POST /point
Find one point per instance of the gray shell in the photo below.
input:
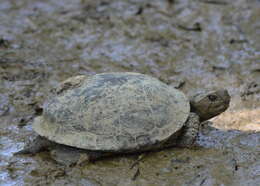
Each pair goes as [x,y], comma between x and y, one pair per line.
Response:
[113,112]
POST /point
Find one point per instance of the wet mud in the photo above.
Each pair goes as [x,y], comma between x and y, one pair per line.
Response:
[191,45]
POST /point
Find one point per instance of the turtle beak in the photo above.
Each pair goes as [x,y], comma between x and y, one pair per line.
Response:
[223,93]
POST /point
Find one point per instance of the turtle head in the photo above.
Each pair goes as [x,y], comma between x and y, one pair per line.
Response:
[210,104]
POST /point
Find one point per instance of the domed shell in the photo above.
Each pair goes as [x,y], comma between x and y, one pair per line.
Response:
[113,112]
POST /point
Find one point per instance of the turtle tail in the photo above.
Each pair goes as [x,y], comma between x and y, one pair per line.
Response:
[38,144]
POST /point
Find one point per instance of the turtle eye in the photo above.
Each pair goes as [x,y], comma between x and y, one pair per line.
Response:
[212,97]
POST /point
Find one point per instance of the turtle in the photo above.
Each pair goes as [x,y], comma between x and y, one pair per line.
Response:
[122,113]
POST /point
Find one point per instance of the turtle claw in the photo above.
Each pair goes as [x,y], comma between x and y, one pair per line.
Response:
[83,159]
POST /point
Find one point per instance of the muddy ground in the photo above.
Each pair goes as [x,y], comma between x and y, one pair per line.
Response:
[191,45]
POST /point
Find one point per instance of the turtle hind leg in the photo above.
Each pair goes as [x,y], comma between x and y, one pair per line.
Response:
[92,156]
[38,144]
[70,156]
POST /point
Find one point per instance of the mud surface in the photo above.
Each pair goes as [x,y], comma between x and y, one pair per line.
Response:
[191,45]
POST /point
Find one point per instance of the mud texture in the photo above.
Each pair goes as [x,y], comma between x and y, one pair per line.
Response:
[191,45]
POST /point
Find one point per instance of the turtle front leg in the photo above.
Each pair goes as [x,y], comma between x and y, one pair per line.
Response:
[190,131]
[38,144]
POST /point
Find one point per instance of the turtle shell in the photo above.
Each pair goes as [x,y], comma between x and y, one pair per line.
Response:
[113,112]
